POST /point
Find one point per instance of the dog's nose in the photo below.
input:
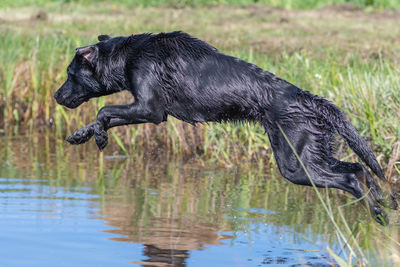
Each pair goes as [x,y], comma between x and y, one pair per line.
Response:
[58,97]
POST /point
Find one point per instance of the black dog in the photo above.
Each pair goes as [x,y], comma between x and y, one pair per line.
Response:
[178,75]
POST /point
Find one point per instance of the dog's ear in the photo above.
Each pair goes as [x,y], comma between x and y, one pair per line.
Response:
[88,52]
[103,37]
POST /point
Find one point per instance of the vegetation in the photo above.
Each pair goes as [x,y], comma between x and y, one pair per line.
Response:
[351,61]
[346,54]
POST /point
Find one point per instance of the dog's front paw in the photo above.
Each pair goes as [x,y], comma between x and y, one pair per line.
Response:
[82,135]
[101,137]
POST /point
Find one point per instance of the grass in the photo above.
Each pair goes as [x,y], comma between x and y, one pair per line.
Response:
[351,61]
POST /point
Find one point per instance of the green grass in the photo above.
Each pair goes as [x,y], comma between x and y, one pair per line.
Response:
[352,61]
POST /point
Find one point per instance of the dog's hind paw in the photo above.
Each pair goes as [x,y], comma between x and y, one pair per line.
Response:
[82,135]
[380,216]
[101,138]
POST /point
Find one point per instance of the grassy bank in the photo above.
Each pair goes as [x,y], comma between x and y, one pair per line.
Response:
[345,55]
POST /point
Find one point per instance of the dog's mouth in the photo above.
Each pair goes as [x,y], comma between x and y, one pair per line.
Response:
[74,103]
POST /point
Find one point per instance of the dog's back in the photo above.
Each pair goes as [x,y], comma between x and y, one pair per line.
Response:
[201,84]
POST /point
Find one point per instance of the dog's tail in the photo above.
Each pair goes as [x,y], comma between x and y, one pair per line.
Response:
[332,114]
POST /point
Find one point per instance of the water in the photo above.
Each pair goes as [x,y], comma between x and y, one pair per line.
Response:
[64,205]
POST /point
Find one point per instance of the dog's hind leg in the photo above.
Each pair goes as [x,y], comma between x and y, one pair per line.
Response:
[365,177]
[322,168]
[357,180]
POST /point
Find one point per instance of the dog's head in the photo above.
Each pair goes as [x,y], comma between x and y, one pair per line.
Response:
[84,81]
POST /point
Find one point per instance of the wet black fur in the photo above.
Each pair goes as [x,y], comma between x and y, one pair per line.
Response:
[178,75]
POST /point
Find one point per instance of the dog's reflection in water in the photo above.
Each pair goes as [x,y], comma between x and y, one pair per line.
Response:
[167,257]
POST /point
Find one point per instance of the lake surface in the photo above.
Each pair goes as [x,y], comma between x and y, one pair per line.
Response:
[63,205]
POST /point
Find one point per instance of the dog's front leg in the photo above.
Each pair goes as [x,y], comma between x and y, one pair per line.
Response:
[85,133]
[112,116]
[105,119]
[117,115]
